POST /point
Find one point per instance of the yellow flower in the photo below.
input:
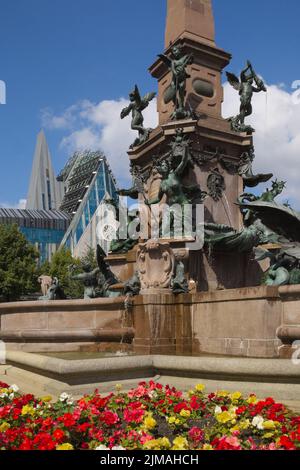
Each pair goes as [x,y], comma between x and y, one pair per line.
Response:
[241,426]
[180,443]
[149,422]
[65,446]
[185,413]
[46,398]
[164,443]
[268,435]
[269,425]
[118,387]
[200,387]
[173,420]
[224,417]
[28,410]
[252,400]
[151,445]
[158,444]
[208,447]
[235,396]
[4,426]
[223,393]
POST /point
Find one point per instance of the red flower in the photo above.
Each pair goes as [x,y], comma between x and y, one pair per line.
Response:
[27,444]
[47,424]
[241,410]
[196,435]
[180,407]
[286,443]
[67,420]
[58,435]
[3,385]
[133,416]
[194,402]
[109,418]
[43,441]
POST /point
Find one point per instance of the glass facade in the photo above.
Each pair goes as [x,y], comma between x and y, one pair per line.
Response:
[103,183]
[46,240]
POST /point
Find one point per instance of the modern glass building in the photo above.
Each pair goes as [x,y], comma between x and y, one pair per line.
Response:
[62,211]
[89,182]
[43,229]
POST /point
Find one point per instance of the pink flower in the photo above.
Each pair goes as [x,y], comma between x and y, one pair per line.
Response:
[196,435]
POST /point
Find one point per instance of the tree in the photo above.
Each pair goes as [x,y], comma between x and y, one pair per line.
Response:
[18,264]
[89,258]
[59,267]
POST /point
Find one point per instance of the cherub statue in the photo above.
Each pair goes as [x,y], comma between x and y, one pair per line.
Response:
[178,63]
[96,281]
[246,89]
[55,292]
[89,278]
[136,107]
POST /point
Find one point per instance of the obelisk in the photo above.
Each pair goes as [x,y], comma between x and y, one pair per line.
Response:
[191,19]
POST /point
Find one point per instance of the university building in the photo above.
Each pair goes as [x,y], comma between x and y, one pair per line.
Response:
[62,211]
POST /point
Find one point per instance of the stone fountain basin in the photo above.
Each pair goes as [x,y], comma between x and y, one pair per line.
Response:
[43,375]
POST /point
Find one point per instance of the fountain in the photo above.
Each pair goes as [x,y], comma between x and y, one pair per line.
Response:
[194,157]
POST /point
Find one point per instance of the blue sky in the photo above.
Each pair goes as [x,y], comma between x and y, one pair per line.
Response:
[55,53]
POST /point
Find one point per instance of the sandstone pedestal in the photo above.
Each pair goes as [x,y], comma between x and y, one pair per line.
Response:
[289,330]
[240,322]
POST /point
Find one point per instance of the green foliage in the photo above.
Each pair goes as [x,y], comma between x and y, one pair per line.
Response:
[18,264]
[89,258]
[60,268]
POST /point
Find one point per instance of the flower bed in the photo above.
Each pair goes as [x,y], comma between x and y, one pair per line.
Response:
[150,417]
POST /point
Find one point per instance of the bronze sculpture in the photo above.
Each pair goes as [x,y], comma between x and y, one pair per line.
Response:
[97,281]
[245,170]
[136,107]
[178,63]
[246,89]
[55,291]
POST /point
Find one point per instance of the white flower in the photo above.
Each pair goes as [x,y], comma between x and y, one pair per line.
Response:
[11,396]
[102,447]
[258,422]
[4,395]
[14,388]
[118,448]
[218,410]
[67,398]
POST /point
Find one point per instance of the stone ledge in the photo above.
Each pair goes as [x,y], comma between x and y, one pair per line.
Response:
[70,335]
[256,370]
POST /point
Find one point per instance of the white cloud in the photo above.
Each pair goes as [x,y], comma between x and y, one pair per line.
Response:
[99,126]
[21,204]
[276,118]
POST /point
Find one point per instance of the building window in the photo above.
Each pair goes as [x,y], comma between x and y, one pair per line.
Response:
[49,195]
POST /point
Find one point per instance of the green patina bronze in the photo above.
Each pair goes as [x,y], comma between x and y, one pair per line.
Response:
[245,170]
[177,63]
[172,169]
[179,283]
[136,107]
[118,245]
[55,292]
[246,89]
[97,282]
